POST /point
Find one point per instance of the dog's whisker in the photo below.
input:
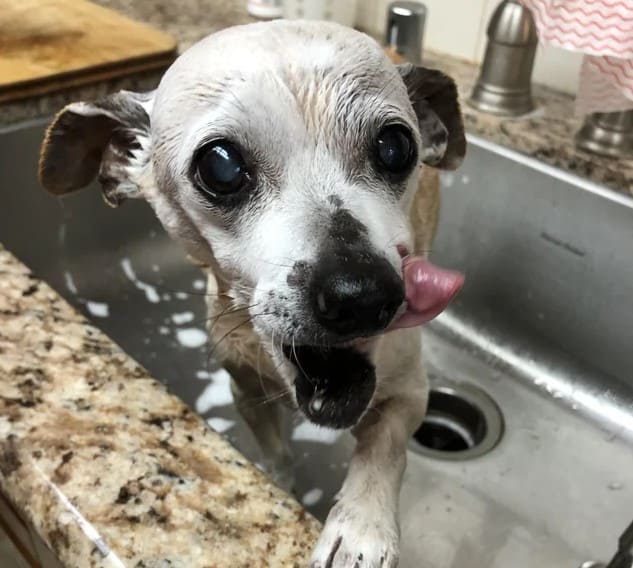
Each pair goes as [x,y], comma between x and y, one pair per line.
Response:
[212,349]
[171,290]
[224,313]
[234,329]
[269,399]
[276,264]
[294,352]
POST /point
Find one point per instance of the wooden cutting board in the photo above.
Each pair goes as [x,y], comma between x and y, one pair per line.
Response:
[47,45]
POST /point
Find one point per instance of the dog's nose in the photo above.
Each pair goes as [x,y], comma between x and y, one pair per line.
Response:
[355,296]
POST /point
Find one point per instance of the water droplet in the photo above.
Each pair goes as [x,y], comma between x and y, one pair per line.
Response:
[316,404]
[312,497]
[447,179]
[615,486]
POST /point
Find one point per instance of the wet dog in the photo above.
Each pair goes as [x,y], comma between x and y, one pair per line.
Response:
[299,166]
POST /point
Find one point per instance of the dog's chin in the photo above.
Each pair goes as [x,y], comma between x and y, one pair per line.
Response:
[333,385]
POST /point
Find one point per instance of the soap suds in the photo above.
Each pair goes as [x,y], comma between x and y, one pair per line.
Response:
[308,432]
[312,497]
[191,337]
[198,284]
[181,295]
[220,424]
[182,317]
[216,393]
[62,234]
[163,330]
[70,282]
[98,309]
[447,179]
[150,292]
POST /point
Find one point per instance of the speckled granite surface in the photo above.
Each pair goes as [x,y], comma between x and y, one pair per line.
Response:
[110,468]
[547,134]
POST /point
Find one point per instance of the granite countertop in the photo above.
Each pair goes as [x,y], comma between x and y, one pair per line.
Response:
[111,469]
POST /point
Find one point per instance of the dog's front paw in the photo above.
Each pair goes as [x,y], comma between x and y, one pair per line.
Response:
[357,537]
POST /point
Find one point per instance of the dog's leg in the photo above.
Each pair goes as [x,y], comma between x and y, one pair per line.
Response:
[265,419]
[362,530]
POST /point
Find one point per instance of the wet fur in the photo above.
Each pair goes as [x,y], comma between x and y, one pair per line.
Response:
[243,346]
[141,145]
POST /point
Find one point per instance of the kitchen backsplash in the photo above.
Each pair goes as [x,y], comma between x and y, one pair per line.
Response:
[458,28]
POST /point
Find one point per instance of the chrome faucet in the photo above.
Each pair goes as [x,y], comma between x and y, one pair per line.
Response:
[504,84]
[405,29]
[607,134]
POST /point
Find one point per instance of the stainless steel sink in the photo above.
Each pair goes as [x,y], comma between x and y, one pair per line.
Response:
[529,448]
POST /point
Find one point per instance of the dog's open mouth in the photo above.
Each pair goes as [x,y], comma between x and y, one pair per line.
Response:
[334,385]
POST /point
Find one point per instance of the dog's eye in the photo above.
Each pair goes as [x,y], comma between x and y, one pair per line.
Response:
[395,149]
[220,169]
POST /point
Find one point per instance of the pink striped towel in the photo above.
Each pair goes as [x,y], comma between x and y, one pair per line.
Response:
[603,31]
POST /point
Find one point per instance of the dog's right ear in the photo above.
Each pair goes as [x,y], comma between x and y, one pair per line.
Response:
[108,139]
[435,101]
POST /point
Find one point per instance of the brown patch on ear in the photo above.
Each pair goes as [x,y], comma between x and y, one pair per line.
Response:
[103,139]
[434,96]
[72,149]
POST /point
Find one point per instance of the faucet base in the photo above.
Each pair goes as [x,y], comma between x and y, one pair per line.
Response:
[607,134]
[501,101]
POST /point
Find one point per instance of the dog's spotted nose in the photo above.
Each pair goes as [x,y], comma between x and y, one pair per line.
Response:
[355,295]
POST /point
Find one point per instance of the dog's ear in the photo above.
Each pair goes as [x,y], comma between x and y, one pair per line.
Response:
[435,101]
[108,139]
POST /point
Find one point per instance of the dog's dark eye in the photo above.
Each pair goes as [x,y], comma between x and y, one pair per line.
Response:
[395,149]
[220,169]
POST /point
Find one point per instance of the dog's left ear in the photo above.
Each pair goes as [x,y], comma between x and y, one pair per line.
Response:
[435,101]
[108,139]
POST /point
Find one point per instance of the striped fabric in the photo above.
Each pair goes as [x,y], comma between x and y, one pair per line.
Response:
[603,31]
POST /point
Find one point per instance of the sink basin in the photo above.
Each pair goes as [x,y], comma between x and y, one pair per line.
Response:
[527,455]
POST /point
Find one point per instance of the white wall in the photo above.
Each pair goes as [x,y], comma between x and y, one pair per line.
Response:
[458,27]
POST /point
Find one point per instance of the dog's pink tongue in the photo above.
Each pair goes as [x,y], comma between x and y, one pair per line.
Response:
[428,289]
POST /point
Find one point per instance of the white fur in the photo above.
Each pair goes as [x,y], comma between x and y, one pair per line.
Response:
[361,529]
[301,96]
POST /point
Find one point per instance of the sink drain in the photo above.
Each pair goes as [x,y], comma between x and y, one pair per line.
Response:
[462,422]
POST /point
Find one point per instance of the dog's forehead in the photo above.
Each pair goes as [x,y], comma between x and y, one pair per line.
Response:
[309,62]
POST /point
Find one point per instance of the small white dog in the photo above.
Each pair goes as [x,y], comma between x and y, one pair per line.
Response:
[290,159]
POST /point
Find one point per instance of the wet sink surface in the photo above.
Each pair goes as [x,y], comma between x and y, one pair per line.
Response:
[537,329]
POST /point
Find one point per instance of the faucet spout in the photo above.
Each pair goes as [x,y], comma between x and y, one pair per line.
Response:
[504,83]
